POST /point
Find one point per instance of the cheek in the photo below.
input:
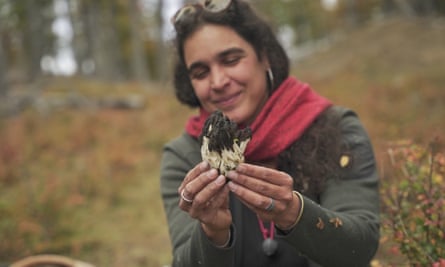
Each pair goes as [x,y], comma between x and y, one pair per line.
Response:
[250,72]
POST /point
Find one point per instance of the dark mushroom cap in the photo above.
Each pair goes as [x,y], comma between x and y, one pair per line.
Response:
[222,132]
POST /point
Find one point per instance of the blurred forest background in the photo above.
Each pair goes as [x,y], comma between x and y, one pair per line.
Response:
[86,104]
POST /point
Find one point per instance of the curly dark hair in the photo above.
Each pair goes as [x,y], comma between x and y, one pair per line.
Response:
[240,17]
[314,157]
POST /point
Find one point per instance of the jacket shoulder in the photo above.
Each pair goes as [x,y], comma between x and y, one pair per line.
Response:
[184,146]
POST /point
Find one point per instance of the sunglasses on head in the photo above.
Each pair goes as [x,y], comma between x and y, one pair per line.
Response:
[213,6]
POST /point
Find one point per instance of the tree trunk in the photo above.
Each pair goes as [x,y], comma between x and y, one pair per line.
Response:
[98,29]
[353,16]
[139,69]
[404,7]
[115,50]
[161,56]
[34,36]
[3,82]
[423,7]
[84,41]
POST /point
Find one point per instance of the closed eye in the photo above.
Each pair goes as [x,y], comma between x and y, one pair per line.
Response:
[231,60]
[231,57]
[198,72]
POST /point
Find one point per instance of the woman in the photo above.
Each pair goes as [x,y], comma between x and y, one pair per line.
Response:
[308,192]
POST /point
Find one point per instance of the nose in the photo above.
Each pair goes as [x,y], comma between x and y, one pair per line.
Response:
[218,79]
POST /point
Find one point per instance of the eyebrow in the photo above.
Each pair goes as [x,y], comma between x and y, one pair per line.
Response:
[225,53]
[234,50]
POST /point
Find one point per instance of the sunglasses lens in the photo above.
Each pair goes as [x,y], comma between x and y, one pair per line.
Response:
[187,11]
[183,13]
[215,5]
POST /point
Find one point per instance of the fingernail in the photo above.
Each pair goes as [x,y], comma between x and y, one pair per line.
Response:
[220,180]
[212,173]
[240,168]
[232,186]
[204,165]
[232,175]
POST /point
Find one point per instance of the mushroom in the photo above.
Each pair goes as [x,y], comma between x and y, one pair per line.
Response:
[223,143]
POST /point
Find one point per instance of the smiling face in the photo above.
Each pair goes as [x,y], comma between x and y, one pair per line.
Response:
[226,73]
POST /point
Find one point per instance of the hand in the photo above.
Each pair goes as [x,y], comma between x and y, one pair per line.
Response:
[258,186]
[205,197]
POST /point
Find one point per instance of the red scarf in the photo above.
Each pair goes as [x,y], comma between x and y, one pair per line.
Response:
[288,112]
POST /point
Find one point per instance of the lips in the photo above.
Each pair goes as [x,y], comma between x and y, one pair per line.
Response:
[226,101]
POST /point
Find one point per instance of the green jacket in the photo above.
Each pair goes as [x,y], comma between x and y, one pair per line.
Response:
[316,240]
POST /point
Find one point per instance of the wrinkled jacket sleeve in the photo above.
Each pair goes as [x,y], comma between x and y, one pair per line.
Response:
[343,229]
[190,245]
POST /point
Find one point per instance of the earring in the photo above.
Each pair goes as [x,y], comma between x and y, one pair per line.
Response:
[270,78]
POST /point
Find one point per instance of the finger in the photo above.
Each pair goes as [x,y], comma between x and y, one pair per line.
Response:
[209,192]
[261,209]
[207,203]
[264,174]
[190,190]
[263,187]
[185,198]
[185,202]
[251,198]
[194,173]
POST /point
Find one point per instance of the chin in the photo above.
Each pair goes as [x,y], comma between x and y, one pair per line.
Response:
[237,115]
[232,116]
[236,118]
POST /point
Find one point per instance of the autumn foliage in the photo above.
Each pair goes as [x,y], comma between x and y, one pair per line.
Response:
[414,201]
